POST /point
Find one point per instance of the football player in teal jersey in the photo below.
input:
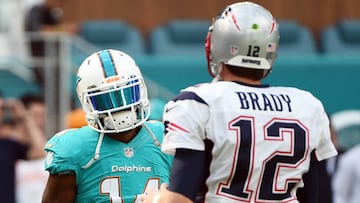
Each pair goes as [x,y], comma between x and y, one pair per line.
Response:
[117,157]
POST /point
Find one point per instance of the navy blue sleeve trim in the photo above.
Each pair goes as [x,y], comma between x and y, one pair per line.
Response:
[188,172]
[310,192]
[185,95]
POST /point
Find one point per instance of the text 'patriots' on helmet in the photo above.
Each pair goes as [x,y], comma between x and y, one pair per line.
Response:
[244,34]
[112,92]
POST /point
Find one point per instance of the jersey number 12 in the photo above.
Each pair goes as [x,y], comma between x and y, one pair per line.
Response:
[236,186]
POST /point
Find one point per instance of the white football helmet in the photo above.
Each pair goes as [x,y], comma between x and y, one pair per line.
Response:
[245,35]
[112,92]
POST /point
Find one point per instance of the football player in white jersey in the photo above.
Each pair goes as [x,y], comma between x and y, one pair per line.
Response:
[243,140]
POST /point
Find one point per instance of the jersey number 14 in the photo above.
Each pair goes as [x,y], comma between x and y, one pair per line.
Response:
[110,186]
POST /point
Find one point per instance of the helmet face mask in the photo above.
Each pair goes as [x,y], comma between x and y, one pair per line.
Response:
[112,92]
[243,35]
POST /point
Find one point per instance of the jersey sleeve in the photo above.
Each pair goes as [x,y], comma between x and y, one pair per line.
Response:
[184,119]
[62,153]
[325,148]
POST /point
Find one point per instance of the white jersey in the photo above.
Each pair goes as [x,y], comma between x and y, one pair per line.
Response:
[263,138]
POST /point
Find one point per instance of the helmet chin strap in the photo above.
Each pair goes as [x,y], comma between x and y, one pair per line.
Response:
[218,71]
[216,78]
[267,72]
[97,152]
[155,140]
[109,124]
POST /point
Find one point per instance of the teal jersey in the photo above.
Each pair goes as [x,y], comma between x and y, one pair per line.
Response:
[123,171]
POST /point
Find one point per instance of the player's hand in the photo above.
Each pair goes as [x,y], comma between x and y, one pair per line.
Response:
[154,194]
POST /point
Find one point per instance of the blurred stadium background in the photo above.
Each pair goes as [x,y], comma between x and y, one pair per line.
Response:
[319,48]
